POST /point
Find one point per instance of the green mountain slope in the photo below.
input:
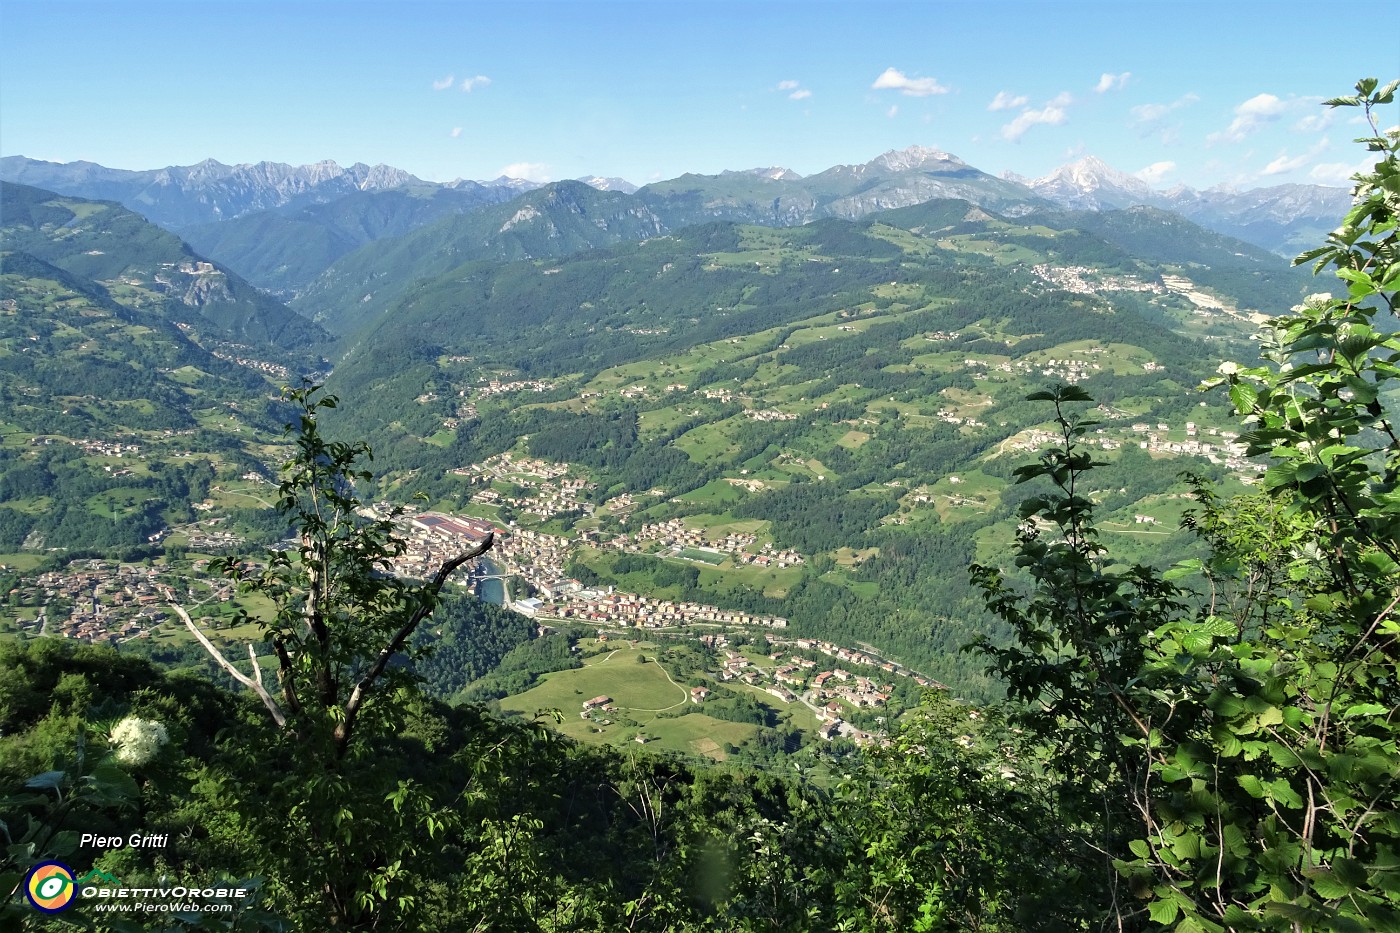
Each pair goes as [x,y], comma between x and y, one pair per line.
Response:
[556,220]
[282,250]
[567,217]
[114,421]
[146,266]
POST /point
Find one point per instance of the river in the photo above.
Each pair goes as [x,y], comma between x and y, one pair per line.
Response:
[493,590]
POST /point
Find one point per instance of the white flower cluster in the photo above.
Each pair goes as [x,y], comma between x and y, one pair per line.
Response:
[137,740]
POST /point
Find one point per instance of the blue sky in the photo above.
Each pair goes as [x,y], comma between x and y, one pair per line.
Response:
[1180,92]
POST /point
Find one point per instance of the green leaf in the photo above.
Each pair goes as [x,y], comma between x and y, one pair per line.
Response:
[1251,785]
[1327,885]
[1163,911]
[49,780]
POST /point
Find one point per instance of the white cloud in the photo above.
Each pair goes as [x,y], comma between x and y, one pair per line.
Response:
[1109,82]
[895,80]
[893,111]
[1005,101]
[1249,116]
[1283,164]
[1155,172]
[1315,122]
[471,84]
[1261,106]
[1286,163]
[1052,114]
[800,95]
[1152,113]
[787,85]
[530,171]
[444,84]
[456,131]
[1336,173]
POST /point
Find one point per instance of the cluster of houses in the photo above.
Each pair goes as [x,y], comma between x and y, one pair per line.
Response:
[506,466]
[621,505]
[674,534]
[536,557]
[769,556]
[1225,450]
[1073,279]
[1064,370]
[111,602]
[863,658]
[1217,446]
[828,692]
[572,600]
[466,411]
[94,447]
[951,417]
[210,540]
[263,366]
[557,493]
[551,500]
[769,414]
[496,387]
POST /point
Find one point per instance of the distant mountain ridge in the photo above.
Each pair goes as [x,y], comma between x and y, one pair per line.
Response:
[1282,219]
[178,196]
[282,250]
[558,219]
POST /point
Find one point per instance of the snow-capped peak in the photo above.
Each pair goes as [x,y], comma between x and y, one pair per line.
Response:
[1091,174]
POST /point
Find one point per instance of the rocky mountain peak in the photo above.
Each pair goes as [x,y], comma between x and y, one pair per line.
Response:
[912,159]
[608,184]
[1091,174]
[1092,184]
[515,184]
[771,172]
[380,176]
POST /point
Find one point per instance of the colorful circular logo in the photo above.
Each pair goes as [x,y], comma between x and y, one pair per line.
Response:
[49,887]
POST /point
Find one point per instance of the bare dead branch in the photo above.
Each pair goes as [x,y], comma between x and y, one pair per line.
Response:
[255,685]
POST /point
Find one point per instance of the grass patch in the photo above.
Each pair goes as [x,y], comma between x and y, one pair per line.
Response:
[852,439]
[717,492]
[23,561]
[704,557]
[698,734]
[443,438]
[638,690]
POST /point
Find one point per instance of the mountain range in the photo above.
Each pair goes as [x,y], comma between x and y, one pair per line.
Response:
[1285,219]
[189,199]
